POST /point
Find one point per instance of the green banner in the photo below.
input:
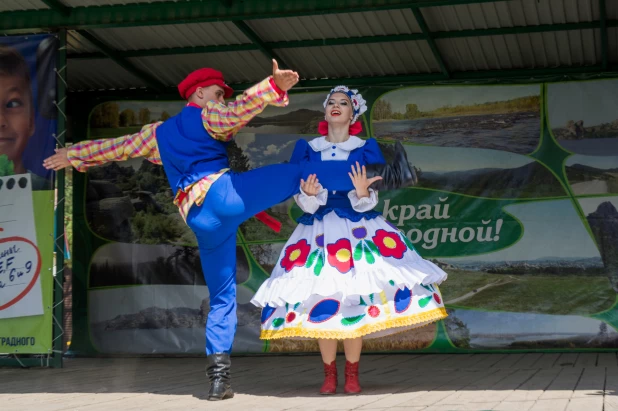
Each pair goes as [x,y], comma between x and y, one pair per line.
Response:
[515,201]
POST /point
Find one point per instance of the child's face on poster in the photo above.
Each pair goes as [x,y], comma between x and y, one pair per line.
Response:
[16,118]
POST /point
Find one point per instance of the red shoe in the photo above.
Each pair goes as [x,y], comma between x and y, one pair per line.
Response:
[352,386]
[330,379]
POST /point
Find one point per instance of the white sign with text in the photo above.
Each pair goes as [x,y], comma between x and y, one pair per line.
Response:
[20,260]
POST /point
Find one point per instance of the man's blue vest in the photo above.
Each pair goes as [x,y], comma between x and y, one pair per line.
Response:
[187,151]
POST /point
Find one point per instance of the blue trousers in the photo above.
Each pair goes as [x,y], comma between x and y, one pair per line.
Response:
[233,199]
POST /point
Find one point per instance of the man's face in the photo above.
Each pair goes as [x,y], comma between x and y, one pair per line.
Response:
[16,117]
[210,93]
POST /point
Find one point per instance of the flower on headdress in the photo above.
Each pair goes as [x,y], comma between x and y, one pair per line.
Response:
[359,105]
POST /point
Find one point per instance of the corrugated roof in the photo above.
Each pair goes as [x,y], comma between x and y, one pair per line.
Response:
[377,59]
[169,36]
[78,44]
[510,14]
[573,48]
[345,25]
[239,67]
[99,74]
[612,40]
[530,50]
[13,5]
[611,8]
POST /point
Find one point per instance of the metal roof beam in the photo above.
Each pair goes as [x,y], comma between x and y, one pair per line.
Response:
[438,78]
[418,15]
[58,6]
[346,41]
[168,51]
[255,39]
[541,28]
[196,11]
[353,40]
[604,42]
[462,77]
[252,46]
[122,62]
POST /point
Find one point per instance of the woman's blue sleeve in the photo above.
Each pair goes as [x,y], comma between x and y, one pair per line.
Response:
[301,152]
[372,153]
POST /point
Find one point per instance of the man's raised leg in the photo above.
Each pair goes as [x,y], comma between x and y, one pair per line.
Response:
[256,190]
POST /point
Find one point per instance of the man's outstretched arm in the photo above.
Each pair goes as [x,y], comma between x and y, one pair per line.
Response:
[223,121]
[92,153]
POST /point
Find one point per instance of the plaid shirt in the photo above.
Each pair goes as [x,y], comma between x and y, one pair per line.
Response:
[222,123]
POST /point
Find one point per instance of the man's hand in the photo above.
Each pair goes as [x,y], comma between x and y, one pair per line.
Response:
[284,79]
[57,161]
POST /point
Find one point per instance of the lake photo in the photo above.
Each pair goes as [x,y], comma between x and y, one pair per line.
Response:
[503,118]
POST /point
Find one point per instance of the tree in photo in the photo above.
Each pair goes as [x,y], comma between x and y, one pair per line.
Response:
[412,111]
[457,330]
[144,116]
[239,162]
[127,118]
[165,115]
[106,115]
[382,110]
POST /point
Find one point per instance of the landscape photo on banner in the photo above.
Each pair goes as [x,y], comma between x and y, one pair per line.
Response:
[28,91]
[521,221]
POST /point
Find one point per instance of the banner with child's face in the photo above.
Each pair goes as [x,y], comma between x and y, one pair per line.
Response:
[516,201]
[27,136]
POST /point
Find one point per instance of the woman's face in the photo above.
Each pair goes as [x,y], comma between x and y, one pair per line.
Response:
[339,109]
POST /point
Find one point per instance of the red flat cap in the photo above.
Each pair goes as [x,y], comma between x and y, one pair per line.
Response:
[203,77]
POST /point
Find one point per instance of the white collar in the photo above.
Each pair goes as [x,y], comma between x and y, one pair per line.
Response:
[321,144]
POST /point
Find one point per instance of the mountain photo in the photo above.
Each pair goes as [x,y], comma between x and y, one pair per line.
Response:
[589,175]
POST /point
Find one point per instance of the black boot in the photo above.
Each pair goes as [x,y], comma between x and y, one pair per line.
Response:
[218,372]
[398,174]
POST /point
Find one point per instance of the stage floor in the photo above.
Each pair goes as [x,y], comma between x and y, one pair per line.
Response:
[519,382]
